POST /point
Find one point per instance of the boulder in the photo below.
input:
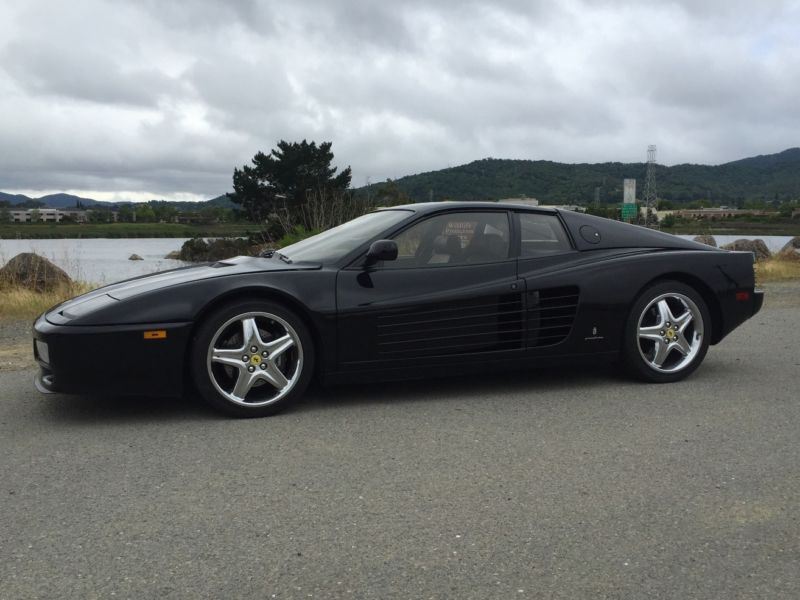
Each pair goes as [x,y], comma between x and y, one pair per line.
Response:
[708,240]
[757,247]
[791,251]
[33,272]
[194,250]
[174,255]
[223,248]
[135,257]
[198,250]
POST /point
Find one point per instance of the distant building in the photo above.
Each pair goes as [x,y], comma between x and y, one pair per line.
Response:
[722,212]
[44,215]
[76,215]
[52,215]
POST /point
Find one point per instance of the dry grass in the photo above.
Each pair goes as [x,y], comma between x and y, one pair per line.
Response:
[777,269]
[19,303]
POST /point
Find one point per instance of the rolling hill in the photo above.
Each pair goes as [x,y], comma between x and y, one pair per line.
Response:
[766,177]
[71,201]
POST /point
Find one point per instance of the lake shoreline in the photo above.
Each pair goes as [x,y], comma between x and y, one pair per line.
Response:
[75,231]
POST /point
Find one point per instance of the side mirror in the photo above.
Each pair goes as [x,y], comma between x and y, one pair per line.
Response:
[381,250]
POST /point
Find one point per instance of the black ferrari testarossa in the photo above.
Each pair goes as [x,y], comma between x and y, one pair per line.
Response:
[408,291]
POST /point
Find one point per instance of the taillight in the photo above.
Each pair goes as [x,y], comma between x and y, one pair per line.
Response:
[742,296]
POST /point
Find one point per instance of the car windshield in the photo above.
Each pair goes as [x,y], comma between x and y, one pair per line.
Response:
[333,244]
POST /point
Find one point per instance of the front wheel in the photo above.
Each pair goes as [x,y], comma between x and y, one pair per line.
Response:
[251,359]
[667,333]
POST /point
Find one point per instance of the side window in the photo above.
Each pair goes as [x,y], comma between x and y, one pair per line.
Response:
[541,235]
[453,239]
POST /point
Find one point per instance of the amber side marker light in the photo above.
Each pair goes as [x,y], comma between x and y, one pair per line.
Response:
[742,296]
[157,334]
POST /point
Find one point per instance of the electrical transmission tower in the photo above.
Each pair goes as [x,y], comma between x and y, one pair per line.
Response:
[649,218]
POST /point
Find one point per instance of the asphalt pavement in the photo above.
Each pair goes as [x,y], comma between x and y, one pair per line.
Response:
[569,483]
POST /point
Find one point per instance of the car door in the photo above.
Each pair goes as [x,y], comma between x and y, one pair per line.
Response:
[451,297]
[552,294]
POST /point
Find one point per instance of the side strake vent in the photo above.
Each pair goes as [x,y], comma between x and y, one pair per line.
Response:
[551,314]
[478,325]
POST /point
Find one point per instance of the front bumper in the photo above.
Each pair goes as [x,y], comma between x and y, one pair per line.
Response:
[43,381]
[110,359]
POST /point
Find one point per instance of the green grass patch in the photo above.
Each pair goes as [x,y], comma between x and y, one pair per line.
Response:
[123,230]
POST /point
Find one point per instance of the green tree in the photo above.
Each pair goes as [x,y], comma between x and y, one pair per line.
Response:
[215,214]
[786,209]
[145,213]
[390,194]
[164,211]
[125,213]
[664,205]
[100,214]
[286,177]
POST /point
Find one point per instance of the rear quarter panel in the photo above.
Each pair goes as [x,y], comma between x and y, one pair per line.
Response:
[610,281]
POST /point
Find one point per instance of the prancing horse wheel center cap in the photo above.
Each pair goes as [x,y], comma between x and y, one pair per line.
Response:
[255,360]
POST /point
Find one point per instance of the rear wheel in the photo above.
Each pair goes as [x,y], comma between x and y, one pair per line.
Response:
[252,359]
[667,332]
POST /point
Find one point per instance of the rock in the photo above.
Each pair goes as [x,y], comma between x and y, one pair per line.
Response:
[194,250]
[174,255]
[228,248]
[135,257]
[198,250]
[757,247]
[33,272]
[791,251]
[708,240]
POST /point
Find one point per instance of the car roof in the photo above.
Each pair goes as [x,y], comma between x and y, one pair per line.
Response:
[429,207]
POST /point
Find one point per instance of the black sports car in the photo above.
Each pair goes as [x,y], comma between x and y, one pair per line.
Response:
[408,291]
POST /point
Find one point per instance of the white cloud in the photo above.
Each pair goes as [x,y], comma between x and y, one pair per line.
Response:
[157,99]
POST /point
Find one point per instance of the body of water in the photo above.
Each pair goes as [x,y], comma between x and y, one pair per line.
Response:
[100,261]
[104,261]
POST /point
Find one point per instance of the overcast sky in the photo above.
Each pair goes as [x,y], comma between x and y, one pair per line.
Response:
[162,98]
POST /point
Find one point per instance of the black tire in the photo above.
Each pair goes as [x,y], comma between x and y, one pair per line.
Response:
[640,355]
[225,329]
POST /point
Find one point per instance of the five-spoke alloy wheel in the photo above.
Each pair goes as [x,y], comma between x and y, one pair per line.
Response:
[252,358]
[666,336]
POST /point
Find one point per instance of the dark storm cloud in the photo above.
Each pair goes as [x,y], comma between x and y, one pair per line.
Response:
[167,97]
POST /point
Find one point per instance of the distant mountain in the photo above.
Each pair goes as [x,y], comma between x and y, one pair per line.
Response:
[13,198]
[766,177]
[222,201]
[66,201]
[70,201]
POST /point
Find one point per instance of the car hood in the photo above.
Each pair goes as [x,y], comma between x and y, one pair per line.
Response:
[123,290]
[234,266]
